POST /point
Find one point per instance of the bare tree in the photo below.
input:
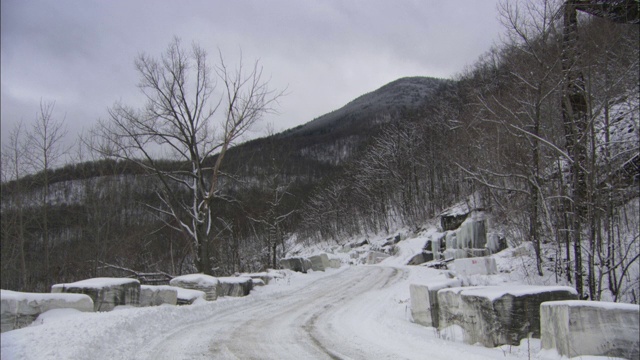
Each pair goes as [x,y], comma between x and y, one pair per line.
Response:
[183,116]
[13,168]
[47,150]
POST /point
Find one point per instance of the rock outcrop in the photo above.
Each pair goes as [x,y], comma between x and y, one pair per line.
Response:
[498,315]
[20,309]
[582,328]
[106,293]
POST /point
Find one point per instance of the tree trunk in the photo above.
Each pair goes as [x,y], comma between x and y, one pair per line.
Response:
[574,110]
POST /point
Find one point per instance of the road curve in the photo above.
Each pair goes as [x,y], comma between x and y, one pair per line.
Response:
[297,325]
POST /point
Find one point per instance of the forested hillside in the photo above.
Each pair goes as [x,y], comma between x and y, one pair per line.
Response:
[545,127]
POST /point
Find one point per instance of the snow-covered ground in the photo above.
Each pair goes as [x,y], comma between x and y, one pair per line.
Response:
[355,312]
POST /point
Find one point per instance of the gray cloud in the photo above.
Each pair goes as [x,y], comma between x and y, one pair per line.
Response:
[81,53]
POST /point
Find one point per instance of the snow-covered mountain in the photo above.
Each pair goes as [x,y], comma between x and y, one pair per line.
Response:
[401,95]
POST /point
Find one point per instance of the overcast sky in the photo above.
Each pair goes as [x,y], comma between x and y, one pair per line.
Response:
[81,53]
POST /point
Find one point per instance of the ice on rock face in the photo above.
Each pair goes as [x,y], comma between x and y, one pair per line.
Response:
[106,293]
[19,309]
[498,315]
[575,328]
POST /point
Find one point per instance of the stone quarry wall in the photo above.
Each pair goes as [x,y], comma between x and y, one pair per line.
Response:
[575,328]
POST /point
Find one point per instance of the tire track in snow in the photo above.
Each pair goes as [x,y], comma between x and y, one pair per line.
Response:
[281,326]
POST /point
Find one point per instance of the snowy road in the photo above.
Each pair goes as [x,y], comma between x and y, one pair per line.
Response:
[359,312]
[305,324]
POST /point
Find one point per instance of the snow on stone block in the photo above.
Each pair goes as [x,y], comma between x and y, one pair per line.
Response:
[295,264]
[374,257]
[498,315]
[319,262]
[205,283]
[424,301]
[189,296]
[234,286]
[577,328]
[106,293]
[335,263]
[476,266]
[257,282]
[19,309]
[420,258]
[152,295]
[265,277]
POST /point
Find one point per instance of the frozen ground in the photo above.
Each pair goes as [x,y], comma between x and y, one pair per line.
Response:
[357,312]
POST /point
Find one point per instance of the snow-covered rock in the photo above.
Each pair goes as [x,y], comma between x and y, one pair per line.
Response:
[335,263]
[19,309]
[106,293]
[476,266]
[420,258]
[576,328]
[424,301]
[374,257]
[189,296]
[234,286]
[295,264]
[498,315]
[154,295]
[205,283]
[319,262]
[265,276]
